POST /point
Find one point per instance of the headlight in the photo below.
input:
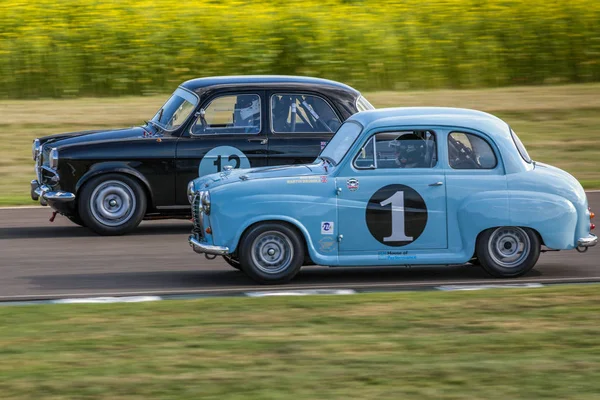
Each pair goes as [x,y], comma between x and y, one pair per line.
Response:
[53,158]
[190,191]
[206,202]
[35,148]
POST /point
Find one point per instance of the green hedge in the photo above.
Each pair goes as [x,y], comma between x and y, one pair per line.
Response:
[52,48]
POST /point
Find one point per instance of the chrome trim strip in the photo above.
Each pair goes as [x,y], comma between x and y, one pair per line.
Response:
[589,241]
[200,247]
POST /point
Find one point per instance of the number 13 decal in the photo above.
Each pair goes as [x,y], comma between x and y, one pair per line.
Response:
[232,157]
[396,215]
[216,159]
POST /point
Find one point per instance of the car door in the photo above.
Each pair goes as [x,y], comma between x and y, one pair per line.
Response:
[301,126]
[393,197]
[229,130]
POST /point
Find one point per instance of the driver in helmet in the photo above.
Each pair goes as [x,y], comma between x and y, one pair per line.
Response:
[248,113]
[410,151]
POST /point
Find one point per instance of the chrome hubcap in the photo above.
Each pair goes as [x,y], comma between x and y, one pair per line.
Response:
[112,203]
[509,246]
[272,252]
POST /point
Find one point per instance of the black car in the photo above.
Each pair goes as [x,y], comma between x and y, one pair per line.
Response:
[111,180]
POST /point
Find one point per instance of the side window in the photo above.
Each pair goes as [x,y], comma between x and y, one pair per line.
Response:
[230,114]
[467,151]
[406,149]
[302,114]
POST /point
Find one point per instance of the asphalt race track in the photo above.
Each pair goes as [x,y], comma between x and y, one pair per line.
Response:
[39,259]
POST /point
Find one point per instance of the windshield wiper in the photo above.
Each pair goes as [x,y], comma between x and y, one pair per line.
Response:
[156,125]
[328,160]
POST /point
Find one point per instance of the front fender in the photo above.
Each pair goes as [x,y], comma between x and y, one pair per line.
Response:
[113,167]
[233,242]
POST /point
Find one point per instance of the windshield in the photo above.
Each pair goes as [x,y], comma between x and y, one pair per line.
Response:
[339,145]
[176,110]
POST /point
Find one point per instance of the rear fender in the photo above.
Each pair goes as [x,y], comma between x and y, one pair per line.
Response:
[479,212]
[552,216]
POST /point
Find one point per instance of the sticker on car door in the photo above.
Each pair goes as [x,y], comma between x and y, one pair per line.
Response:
[396,215]
[216,159]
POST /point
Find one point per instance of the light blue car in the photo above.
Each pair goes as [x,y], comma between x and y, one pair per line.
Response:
[402,186]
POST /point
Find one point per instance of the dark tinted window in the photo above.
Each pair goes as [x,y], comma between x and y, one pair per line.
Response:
[467,151]
[301,113]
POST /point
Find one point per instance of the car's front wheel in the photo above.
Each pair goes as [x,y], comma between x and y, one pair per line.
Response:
[112,204]
[508,251]
[234,262]
[76,219]
[271,253]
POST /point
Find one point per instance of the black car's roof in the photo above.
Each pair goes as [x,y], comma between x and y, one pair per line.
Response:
[201,83]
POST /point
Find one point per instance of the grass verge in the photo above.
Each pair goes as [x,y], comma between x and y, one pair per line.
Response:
[559,125]
[496,344]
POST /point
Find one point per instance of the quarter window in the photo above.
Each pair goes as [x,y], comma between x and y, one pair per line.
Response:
[468,151]
[300,113]
[239,113]
[405,149]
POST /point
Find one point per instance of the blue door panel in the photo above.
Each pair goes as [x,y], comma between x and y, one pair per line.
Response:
[383,210]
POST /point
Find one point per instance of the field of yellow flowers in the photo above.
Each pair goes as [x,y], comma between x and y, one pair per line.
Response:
[67,48]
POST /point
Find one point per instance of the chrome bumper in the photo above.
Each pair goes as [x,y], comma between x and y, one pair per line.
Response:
[44,193]
[201,248]
[588,241]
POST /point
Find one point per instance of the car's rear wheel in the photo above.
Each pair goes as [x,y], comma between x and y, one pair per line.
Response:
[508,251]
[271,253]
[112,204]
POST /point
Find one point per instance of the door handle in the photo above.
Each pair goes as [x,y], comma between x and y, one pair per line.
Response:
[261,141]
[436,184]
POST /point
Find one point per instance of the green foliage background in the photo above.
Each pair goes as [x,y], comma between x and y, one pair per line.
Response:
[66,48]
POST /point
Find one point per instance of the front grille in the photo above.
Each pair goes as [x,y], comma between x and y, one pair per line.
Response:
[197,215]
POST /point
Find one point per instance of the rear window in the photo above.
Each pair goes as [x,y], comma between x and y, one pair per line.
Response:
[520,147]
[363,104]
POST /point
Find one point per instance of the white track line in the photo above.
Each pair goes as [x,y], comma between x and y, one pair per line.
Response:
[242,289]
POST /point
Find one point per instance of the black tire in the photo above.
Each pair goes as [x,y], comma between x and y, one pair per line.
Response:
[233,262]
[508,251]
[474,261]
[287,258]
[101,215]
[76,220]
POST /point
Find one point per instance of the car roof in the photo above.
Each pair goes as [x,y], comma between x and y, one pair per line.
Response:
[432,116]
[200,83]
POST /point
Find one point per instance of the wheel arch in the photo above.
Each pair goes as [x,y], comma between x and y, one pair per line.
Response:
[116,168]
[290,222]
[517,226]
